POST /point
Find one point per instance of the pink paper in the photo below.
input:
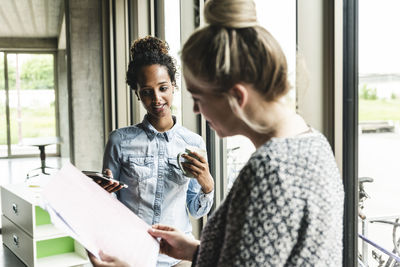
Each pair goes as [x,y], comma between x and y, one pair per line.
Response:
[99,220]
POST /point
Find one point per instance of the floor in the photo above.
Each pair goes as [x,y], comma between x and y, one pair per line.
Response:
[15,170]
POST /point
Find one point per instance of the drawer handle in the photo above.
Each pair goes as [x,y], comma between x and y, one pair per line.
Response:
[16,240]
[15,208]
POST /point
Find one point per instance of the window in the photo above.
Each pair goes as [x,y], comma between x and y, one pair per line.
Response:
[31,102]
[175,21]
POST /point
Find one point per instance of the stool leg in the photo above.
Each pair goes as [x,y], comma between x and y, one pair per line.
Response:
[42,158]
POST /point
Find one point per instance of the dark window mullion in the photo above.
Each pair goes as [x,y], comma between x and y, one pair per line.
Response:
[350,131]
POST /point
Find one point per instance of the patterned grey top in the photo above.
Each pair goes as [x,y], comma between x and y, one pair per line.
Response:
[284,209]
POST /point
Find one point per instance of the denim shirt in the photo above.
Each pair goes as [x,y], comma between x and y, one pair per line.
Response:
[158,192]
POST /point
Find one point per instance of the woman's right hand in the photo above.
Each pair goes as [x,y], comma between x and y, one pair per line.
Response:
[111,186]
[174,243]
[106,261]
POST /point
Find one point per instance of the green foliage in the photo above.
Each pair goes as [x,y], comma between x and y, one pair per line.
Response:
[368,93]
[37,73]
[36,122]
[393,96]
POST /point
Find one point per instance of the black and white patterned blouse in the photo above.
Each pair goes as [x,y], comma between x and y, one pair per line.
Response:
[284,209]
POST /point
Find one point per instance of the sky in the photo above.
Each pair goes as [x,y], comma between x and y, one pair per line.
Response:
[379,32]
[379,36]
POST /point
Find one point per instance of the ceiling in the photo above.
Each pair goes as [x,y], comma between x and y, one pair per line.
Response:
[30,18]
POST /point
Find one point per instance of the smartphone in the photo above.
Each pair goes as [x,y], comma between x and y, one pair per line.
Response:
[97,176]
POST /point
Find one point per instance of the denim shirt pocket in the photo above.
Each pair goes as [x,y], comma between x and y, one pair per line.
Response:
[175,173]
[141,168]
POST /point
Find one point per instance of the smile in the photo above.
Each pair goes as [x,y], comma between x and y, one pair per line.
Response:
[158,108]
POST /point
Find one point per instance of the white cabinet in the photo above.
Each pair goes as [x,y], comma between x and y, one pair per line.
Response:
[29,234]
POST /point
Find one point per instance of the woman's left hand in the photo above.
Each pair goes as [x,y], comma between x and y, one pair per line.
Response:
[199,167]
[106,261]
[174,243]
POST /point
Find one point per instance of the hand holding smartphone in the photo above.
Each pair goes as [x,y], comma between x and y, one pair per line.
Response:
[105,181]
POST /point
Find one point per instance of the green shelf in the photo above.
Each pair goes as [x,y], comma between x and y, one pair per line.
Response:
[51,247]
[42,217]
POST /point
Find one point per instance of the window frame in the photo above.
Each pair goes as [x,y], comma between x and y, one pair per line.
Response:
[350,132]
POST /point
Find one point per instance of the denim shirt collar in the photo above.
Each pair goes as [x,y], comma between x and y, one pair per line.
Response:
[152,132]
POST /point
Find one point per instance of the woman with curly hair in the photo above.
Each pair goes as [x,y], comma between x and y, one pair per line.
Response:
[144,156]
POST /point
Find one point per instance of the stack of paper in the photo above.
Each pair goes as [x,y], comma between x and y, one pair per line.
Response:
[97,220]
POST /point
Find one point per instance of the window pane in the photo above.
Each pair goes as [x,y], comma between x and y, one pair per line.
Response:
[173,38]
[379,115]
[279,18]
[32,100]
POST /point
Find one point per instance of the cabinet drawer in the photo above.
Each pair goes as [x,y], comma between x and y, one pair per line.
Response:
[18,241]
[18,210]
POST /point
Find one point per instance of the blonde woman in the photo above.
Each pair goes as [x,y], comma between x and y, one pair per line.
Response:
[286,206]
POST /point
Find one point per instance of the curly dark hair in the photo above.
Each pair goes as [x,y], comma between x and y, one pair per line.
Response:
[147,51]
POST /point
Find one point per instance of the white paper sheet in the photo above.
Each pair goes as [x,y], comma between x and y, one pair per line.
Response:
[97,220]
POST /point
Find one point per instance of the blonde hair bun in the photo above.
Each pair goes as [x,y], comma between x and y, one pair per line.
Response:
[231,13]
